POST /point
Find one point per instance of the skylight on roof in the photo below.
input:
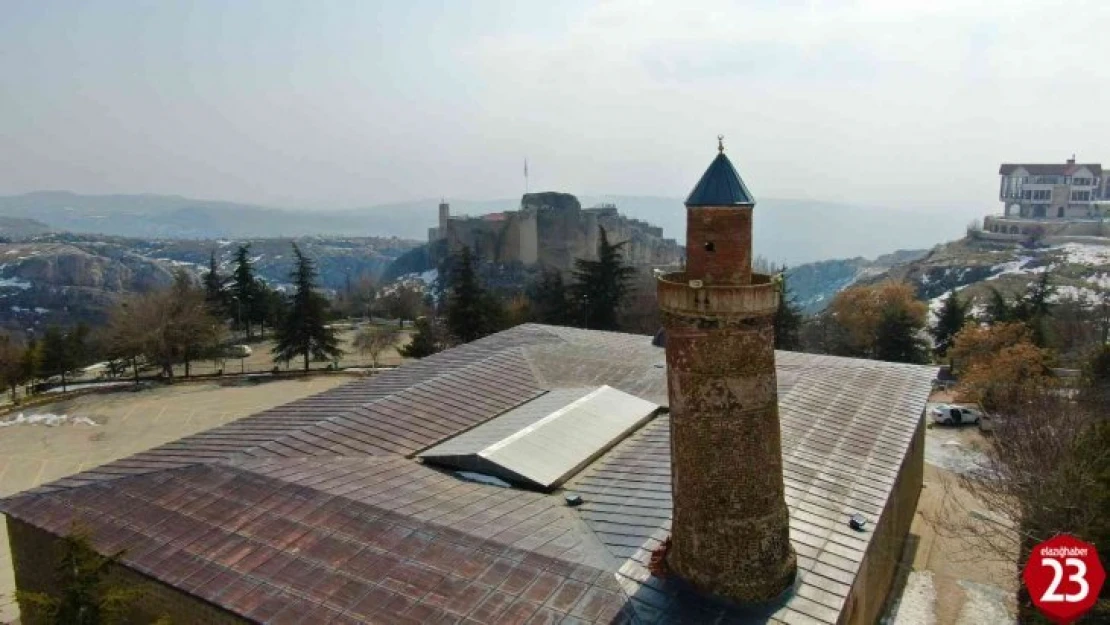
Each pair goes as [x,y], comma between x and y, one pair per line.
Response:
[545,441]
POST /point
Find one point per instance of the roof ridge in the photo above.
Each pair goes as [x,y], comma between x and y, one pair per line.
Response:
[351,412]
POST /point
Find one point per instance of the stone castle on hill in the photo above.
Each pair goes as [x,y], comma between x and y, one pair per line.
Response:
[552,229]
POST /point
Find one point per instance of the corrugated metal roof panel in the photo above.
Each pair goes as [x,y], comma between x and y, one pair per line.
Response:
[545,441]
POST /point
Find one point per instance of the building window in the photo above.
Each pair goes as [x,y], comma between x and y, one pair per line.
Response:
[1081,196]
[1043,195]
[1082,182]
[1027,195]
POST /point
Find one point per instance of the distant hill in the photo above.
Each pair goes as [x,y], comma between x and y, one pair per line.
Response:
[1078,270]
[786,231]
[14,228]
[814,285]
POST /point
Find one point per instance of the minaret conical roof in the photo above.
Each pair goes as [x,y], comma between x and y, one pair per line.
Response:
[720,185]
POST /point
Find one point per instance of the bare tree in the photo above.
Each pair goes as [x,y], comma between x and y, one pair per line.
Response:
[1045,471]
[165,327]
[404,302]
[373,341]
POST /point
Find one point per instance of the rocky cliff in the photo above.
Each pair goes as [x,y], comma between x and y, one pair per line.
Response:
[64,279]
[972,267]
[815,284]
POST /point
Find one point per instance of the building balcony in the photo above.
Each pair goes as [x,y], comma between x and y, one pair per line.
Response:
[680,295]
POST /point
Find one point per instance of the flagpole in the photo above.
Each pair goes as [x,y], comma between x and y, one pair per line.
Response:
[526,175]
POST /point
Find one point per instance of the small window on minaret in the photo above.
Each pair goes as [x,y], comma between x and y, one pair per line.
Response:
[709,246]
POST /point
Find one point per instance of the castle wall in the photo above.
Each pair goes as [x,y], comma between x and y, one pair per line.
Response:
[552,229]
[529,242]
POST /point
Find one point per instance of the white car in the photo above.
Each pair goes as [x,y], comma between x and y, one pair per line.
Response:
[952,414]
[239,351]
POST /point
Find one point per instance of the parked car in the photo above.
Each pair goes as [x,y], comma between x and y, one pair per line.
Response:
[952,414]
[239,351]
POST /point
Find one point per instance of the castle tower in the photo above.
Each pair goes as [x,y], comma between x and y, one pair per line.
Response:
[444,215]
[730,534]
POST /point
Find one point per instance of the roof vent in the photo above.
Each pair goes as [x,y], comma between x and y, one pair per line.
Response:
[857,522]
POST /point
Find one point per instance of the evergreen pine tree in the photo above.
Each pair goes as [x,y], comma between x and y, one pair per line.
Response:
[548,295]
[1096,378]
[60,353]
[1036,303]
[601,286]
[30,364]
[243,289]
[998,309]
[896,338]
[472,312]
[788,319]
[950,320]
[86,593]
[304,331]
[427,340]
[1035,308]
[214,284]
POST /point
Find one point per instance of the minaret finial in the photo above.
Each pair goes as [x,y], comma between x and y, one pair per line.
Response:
[721,144]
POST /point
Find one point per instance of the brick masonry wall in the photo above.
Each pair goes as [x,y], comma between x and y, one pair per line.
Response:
[879,568]
[730,531]
[730,232]
[34,557]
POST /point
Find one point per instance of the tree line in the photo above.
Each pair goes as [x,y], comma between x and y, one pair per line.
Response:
[1046,469]
[182,324]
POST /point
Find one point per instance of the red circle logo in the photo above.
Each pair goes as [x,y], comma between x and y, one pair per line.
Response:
[1064,577]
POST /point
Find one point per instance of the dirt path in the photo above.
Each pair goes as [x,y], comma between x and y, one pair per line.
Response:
[947,581]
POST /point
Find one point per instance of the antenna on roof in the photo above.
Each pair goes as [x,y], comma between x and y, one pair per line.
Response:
[525,175]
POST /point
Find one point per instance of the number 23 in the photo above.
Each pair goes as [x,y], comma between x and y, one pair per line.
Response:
[1080,577]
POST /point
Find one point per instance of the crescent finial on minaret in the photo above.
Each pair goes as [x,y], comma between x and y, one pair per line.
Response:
[721,143]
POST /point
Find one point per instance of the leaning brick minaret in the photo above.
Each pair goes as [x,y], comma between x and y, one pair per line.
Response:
[730,534]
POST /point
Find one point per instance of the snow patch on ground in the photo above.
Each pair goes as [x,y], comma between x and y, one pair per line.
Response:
[1100,280]
[14,283]
[944,449]
[917,605]
[985,605]
[48,419]
[77,387]
[1012,267]
[1080,254]
[1073,292]
[177,263]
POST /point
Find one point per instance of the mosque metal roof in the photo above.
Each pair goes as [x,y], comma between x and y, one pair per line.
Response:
[319,511]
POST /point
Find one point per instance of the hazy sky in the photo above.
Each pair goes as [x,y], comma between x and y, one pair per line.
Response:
[340,104]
